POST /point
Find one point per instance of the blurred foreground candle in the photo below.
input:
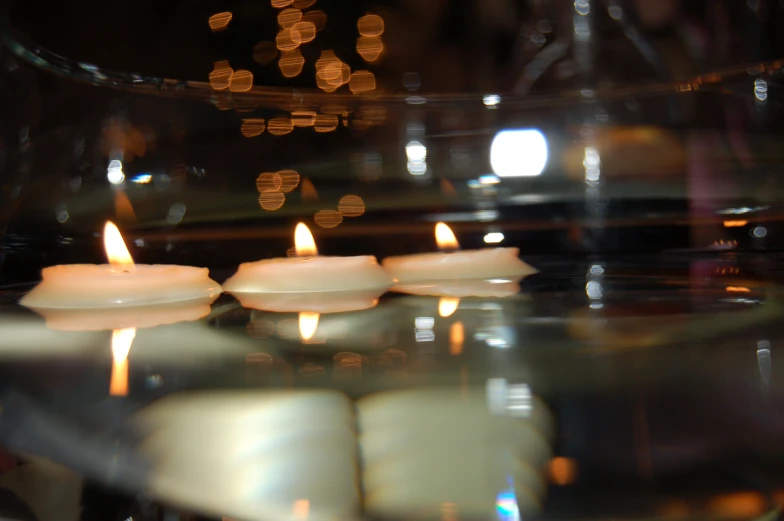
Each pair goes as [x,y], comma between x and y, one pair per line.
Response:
[486,263]
[121,283]
[308,273]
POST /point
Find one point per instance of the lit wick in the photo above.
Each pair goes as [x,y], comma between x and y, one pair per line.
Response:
[304,245]
[116,251]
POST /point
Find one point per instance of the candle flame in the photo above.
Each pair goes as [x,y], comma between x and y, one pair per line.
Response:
[447,306]
[456,338]
[304,244]
[121,346]
[301,509]
[445,238]
[115,247]
[308,323]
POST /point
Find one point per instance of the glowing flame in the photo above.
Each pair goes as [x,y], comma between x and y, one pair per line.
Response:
[447,306]
[735,224]
[308,324]
[445,238]
[121,346]
[738,289]
[563,471]
[116,251]
[304,244]
[456,338]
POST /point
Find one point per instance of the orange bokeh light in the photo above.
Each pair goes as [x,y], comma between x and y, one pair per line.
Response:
[268,181]
[370,48]
[289,180]
[241,81]
[291,63]
[288,40]
[328,218]
[220,21]
[252,127]
[325,123]
[351,206]
[562,471]
[370,25]
[280,126]
[271,200]
[317,18]
[289,17]
[362,81]
[306,30]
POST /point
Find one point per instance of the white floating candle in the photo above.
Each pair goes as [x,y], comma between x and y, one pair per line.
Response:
[308,272]
[119,283]
[487,263]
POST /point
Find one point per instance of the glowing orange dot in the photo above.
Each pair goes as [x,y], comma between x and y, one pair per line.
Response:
[325,123]
[289,180]
[268,181]
[563,471]
[241,81]
[351,206]
[317,18]
[325,85]
[326,59]
[220,77]
[306,30]
[279,126]
[264,52]
[252,127]
[303,118]
[328,218]
[288,17]
[370,48]
[362,81]
[271,200]
[219,21]
[288,40]
[303,4]
[370,25]
[280,4]
[291,63]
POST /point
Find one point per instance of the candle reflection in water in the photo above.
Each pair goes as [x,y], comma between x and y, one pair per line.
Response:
[121,346]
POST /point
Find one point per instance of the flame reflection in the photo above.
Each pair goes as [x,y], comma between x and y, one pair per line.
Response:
[456,338]
[308,324]
[447,306]
[121,346]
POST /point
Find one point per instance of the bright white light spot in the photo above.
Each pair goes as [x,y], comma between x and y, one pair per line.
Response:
[494,237]
[597,269]
[114,172]
[583,7]
[498,343]
[491,100]
[425,335]
[499,281]
[518,153]
[594,290]
[424,322]
[761,89]
[416,152]
[416,100]
[759,232]
[417,168]
[489,179]
[142,179]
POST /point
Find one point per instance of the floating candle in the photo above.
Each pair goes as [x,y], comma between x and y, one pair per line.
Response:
[486,263]
[308,272]
[119,283]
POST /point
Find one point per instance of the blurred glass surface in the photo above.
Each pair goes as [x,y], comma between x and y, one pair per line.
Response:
[630,149]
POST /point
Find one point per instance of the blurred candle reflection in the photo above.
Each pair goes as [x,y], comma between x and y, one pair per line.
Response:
[121,346]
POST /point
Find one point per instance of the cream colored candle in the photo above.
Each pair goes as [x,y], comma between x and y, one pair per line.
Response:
[119,283]
[486,263]
[308,272]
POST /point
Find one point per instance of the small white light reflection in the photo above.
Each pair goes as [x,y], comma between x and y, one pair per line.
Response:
[592,164]
[759,232]
[491,100]
[489,179]
[594,290]
[142,179]
[416,100]
[498,343]
[424,322]
[518,153]
[499,281]
[62,214]
[616,12]
[761,89]
[583,7]
[176,213]
[494,238]
[764,361]
[416,153]
[114,173]
[426,335]
[506,506]
[596,305]
[486,215]
[597,269]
